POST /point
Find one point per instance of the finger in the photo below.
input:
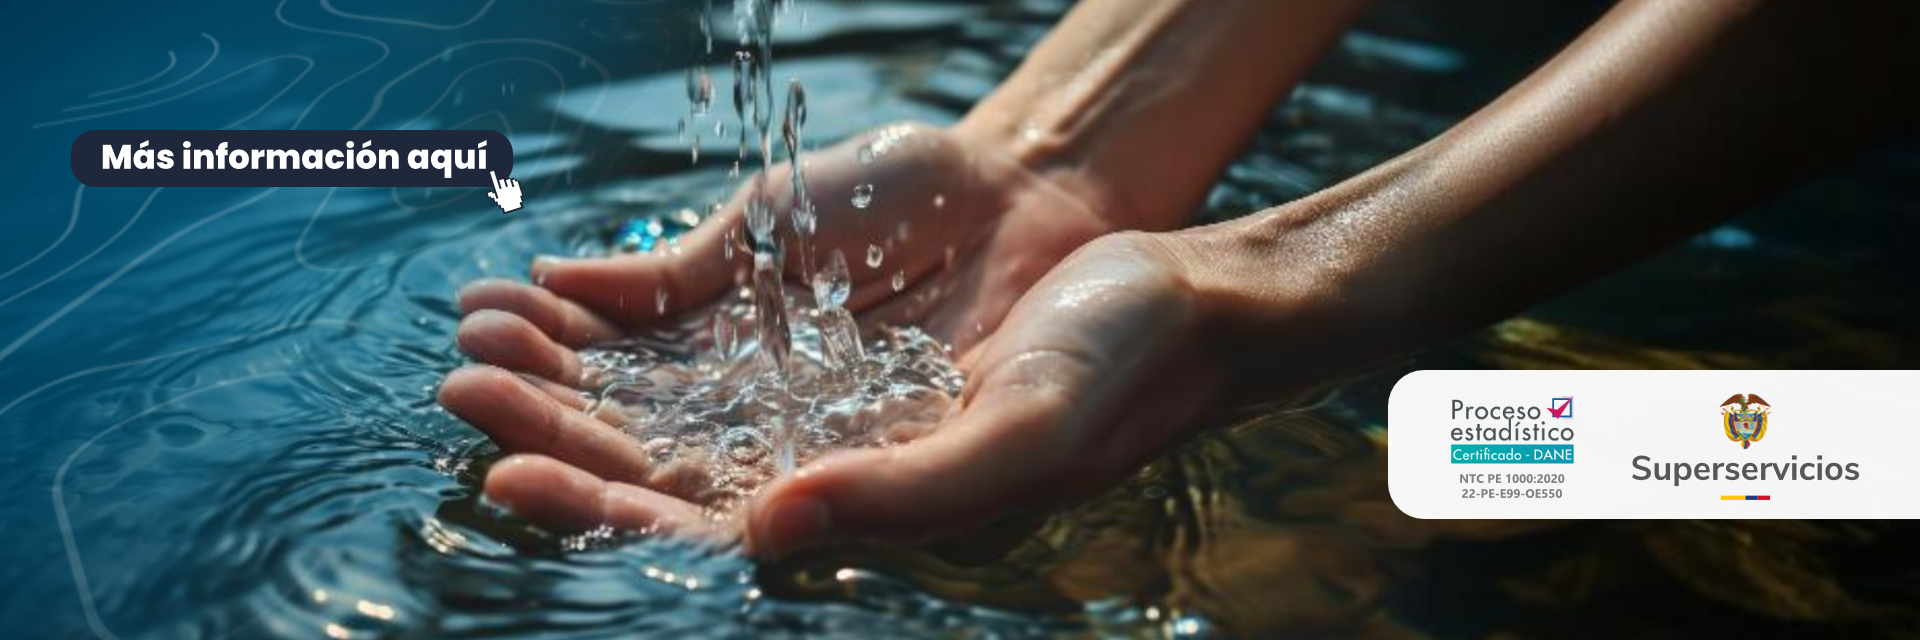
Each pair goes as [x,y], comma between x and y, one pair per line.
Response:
[523,419]
[571,397]
[626,287]
[1028,441]
[566,322]
[511,342]
[563,498]
[495,179]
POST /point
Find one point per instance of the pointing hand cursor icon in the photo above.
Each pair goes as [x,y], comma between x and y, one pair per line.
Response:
[505,193]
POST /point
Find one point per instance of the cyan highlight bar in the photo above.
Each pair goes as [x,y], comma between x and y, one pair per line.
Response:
[1512,454]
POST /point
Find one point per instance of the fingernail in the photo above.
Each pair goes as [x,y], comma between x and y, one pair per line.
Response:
[794,524]
[542,263]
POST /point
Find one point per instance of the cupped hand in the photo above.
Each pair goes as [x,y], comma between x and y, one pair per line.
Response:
[1102,365]
[969,228]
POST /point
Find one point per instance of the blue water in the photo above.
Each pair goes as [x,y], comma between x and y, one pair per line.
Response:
[217,404]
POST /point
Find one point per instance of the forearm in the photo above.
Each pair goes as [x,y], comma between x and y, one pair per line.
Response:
[1146,101]
[1661,120]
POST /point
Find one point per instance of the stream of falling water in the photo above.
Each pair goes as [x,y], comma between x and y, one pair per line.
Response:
[766,379]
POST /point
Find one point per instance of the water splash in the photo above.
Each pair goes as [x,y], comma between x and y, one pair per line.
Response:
[771,378]
[832,285]
[708,410]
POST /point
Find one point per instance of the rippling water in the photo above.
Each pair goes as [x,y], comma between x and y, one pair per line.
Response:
[229,393]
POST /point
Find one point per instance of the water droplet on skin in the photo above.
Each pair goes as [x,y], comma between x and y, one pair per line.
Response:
[865,154]
[862,196]
[899,281]
[687,216]
[660,301]
[874,256]
[939,201]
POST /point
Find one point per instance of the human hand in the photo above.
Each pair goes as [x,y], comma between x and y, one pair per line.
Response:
[970,231]
[1102,365]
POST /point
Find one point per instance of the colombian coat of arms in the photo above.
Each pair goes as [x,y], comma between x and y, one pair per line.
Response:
[1744,417]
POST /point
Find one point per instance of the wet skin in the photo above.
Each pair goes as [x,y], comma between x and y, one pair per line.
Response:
[1089,352]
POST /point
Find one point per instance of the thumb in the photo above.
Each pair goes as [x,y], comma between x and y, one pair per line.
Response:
[995,457]
[490,195]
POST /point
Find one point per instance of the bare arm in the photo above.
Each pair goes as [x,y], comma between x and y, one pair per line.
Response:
[1146,101]
[1120,119]
[1659,121]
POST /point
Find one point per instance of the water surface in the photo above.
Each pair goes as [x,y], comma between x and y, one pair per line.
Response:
[218,404]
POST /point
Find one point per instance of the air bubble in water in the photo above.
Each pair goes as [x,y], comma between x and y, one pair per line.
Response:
[899,281]
[862,196]
[874,256]
[743,445]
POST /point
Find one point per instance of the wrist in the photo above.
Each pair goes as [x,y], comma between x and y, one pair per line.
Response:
[1055,159]
[1311,290]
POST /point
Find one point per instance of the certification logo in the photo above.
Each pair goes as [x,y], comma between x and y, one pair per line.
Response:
[1744,418]
[1561,407]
